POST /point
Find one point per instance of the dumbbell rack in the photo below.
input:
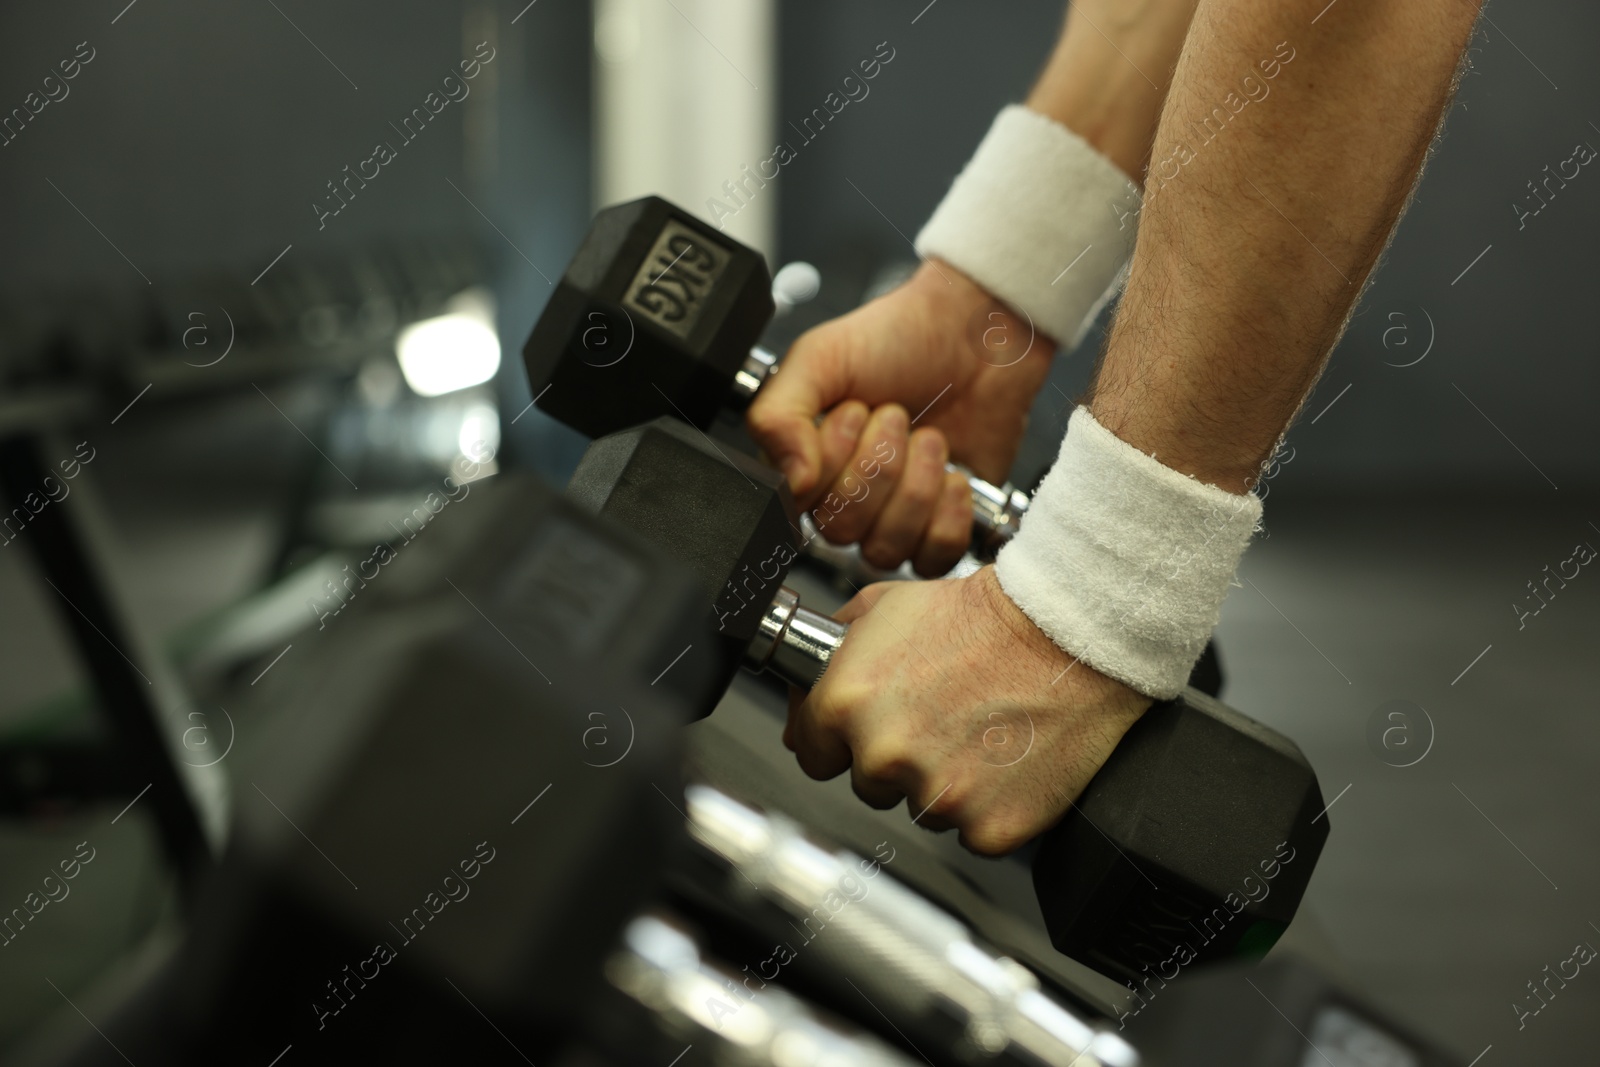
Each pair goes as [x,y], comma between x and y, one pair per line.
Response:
[838,929]
[624,903]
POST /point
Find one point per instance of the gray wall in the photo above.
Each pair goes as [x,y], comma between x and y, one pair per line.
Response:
[1516,334]
[200,135]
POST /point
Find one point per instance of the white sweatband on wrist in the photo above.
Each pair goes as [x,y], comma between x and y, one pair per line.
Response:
[1124,562]
[1041,220]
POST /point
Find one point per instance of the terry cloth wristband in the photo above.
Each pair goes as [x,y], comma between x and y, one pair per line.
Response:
[1039,219]
[1124,562]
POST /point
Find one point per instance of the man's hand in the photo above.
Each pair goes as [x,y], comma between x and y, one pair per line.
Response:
[945,694]
[939,350]
[941,340]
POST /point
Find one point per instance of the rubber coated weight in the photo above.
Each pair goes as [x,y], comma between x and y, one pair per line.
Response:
[654,316]
[1282,1013]
[726,518]
[1194,843]
[1201,816]
[562,586]
[462,778]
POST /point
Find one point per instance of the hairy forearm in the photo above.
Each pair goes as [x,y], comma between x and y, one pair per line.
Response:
[1267,204]
[1109,73]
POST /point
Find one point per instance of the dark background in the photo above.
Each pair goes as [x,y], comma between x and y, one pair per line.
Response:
[200,134]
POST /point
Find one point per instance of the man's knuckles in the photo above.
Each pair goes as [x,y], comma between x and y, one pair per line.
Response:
[939,802]
[995,835]
[886,762]
[820,761]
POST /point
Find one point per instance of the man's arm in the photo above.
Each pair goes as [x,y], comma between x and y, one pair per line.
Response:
[942,345]
[1268,203]
[1258,232]
[1107,78]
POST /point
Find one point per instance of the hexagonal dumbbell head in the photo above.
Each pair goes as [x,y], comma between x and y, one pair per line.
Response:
[557,583]
[728,518]
[1235,1016]
[406,759]
[655,315]
[1194,843]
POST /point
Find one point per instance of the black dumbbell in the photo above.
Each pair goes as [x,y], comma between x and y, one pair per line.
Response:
[659,314]
[732,522]
[459,799]
[1197,835]
[1283,1013]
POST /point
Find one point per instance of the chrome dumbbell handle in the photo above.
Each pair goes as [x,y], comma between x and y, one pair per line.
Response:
[758,366]
[794,642]
[997,510]
[664,969]
[912,956]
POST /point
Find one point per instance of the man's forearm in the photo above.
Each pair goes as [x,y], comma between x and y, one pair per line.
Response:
[1284,156]
[1031,204]
[1108,75]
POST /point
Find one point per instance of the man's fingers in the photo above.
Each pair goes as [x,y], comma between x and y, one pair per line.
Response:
[796,698]
[864,485]
[907,516]
[820,750]
[790,439]
[949,533]
[998,833]
[819,730]
[933,806]
[811,379]
[872,791]
[864,602]
[838,435]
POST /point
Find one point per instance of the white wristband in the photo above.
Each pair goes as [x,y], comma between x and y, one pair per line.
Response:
[1039,219]
[1124,562]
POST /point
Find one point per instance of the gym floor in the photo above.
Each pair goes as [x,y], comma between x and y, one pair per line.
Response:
[1449,884]
[1446,887]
